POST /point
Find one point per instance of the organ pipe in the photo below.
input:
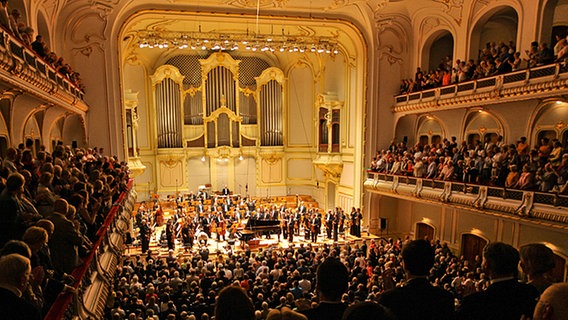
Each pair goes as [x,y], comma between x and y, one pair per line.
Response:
[168,112]
[271,113]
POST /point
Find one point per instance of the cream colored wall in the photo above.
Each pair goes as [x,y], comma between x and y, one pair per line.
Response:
[450,223]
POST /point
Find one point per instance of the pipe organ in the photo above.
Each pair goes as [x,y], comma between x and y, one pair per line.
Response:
[197,107]
[167,91]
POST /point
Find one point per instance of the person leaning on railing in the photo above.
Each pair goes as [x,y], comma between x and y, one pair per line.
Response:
[496,164]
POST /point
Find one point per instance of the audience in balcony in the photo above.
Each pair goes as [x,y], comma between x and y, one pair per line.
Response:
[12,24]
[494,59]
[39,46]
[544,168]
[4,16]
[34,196]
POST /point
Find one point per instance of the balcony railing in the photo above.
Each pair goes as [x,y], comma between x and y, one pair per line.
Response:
[94,277]
[549,207]
[482,91]
[22,62]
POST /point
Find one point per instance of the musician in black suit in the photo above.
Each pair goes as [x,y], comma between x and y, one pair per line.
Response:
[251,204]
[225,191]
[145,234]
[335,225]
[200,208]
[418,299]
[328,223]
[306,220]
[205,222]
[226,207]
[291,226]
[316,227]
[297,219]
[302,208]
[505,298]
[15,272]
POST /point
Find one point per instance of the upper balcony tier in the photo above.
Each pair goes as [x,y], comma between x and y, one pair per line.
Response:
[22,69]
[534,83]
[538,207]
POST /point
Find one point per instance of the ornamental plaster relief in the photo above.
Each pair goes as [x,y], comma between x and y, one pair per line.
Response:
[454,8]
[391,33]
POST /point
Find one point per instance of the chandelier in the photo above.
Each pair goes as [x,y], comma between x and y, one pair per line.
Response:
[237,41]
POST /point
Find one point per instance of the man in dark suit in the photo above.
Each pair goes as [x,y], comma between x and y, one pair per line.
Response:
[200,208]
[15,271]
[226,191]
[66,239]
[332,278]
[505,298]
[302,208]
[418,299]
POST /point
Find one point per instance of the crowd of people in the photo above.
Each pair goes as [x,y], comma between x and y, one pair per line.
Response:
[11,21]
[52,205]
[543,167]
[494,59]
[387,279]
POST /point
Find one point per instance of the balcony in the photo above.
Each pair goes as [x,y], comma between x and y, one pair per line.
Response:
[23,70]
[95,275]
[548,208]
[535,83]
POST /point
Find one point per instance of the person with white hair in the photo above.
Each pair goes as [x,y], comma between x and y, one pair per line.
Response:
[15,271]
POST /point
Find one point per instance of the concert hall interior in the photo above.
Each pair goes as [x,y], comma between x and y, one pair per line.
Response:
[363,120]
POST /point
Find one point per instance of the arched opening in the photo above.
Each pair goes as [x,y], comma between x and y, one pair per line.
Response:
[43,30]
[554,21]
[496,26]
[406,128]
[424,231]
[430,131]
[438,49]
[482,126]
[72,130]
[472,246]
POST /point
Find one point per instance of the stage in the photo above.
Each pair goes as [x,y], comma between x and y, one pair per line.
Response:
[224,247]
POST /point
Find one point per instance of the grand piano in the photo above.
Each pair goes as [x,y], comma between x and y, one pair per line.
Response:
[255,228]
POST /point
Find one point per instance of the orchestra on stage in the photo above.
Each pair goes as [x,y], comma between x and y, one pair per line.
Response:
[197,218]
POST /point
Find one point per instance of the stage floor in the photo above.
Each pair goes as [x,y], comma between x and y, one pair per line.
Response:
[225,247]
